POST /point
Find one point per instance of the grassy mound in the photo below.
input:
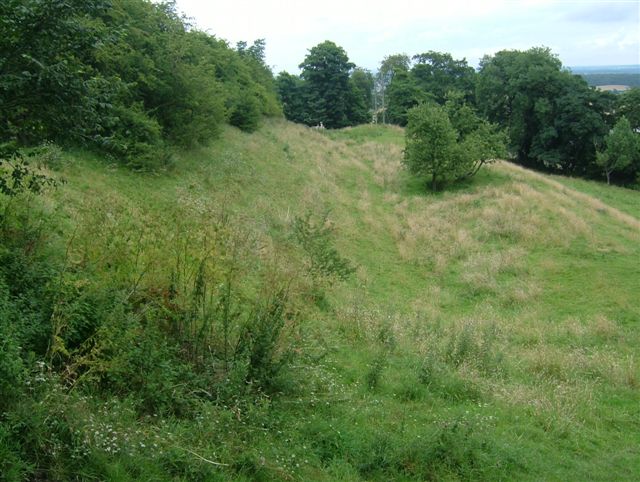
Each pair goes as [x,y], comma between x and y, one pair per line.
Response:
[179,327]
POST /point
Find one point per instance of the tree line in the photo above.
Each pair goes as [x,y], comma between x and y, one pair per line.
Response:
[132,78]
[553,120]
[129,78]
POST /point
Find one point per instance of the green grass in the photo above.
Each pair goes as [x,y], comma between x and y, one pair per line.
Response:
[621,198]
[382,134]
[490,331]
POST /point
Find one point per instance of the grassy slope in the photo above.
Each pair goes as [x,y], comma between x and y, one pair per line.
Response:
[497,320]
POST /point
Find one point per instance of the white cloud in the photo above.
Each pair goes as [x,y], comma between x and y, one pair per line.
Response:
[370,30]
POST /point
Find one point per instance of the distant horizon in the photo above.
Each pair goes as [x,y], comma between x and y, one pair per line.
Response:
[610,66]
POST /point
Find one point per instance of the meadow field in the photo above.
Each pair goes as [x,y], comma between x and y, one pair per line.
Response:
[488,331]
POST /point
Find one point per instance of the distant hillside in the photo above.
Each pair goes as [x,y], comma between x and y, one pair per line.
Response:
[628,75]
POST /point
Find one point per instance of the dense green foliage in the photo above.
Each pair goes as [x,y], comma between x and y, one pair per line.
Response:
[628,105]
[554,119]
[438,73]
[362,82]
[114,309]
[400,96]
[387,71]
[126,77]
[449,143]
[431,144]
[432,76]
[325,71]
[622,150]
[330,90]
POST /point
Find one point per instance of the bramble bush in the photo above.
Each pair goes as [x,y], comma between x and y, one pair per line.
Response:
[128,78]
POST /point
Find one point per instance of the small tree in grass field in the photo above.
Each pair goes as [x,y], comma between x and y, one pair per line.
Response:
[620,151]
[437,150]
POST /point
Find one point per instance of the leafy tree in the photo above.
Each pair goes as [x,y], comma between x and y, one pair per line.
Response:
[326,71]
[464,117]
[579,121]
[401,95]
[621,149]
[432,76]
[362,87]
[479,141]
[127,77]
[44,70]
[392,64]
[330,89]
[172,70]
[483,145]
[512,88]
[444,149]
[437,73]
[552,117]
[256,51]
[628,105]
[388,68]
[262,82]
[431,148]
[292,96]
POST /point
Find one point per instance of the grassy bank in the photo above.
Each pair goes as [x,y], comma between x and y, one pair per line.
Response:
[489,331]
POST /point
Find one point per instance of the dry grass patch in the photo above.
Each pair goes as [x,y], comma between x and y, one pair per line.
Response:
[481,270]
[386,164]
[557,406]
[604,328]
[593,203]
[430,238]
[579,365]
[436,233]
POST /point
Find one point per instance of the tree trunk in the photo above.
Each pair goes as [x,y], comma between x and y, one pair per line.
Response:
[434,183]
[608,173]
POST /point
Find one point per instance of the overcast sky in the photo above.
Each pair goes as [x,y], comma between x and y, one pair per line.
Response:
[586,32]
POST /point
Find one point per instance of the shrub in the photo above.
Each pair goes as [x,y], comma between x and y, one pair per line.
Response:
[26,264]
[245,112]
[18,177]
[11,364]
[259,343]
[134,138]
[47,154]
[375,370]
[323,259]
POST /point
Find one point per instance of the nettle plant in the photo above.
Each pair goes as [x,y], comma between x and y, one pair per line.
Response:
[323,261]
[17,176]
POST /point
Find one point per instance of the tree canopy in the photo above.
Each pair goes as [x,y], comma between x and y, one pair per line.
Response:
[438,73]
[330,89]
[553,118]
[404,82]
[126,77]
[621,149]
[628,105]
[431,148]
[449,143]
[326,71]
